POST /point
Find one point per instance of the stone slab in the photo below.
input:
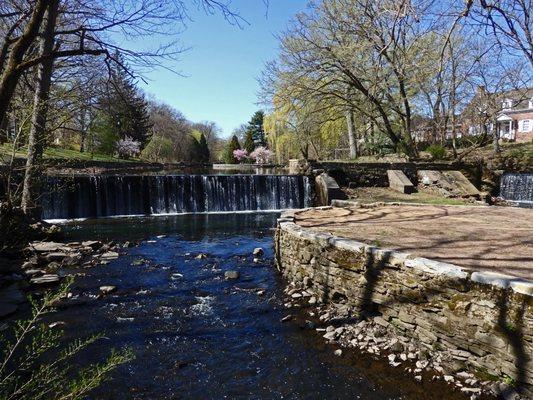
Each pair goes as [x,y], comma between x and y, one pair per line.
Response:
[399,181]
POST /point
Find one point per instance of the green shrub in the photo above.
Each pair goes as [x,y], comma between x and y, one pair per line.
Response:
[34,364]
[105,137]
[437,151]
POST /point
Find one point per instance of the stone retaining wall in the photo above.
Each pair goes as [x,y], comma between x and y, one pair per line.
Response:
[375,174]
[483,321]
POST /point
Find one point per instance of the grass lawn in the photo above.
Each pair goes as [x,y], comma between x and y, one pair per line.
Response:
[381,194]
[67,154]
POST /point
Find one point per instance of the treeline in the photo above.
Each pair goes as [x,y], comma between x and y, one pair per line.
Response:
[104,112]
[373,76]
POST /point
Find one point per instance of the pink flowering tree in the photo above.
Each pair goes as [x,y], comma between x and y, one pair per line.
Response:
[240,155]
[262,155]
[128,147]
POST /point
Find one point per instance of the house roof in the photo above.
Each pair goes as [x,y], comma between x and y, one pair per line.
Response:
[520,97]
[521,115]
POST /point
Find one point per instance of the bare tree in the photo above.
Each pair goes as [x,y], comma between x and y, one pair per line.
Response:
[85,28]
[510,22]
[40,106]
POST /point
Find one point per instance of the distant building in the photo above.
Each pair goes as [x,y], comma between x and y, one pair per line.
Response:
[425,131]
[509,113]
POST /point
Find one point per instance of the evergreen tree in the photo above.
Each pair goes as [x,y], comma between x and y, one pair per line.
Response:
[203,150]
[232,145]
[126,107]
[199,149]
[255,126]
[249,145]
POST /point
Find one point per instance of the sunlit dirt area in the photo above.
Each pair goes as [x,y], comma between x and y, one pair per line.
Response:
[497,239]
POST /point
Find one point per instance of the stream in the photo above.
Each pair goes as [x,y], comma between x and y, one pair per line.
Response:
[197,335]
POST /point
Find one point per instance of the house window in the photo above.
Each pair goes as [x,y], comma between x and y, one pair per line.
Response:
[507,104]
[526,125]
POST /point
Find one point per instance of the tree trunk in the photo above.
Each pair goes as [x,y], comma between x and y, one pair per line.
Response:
[40,110]
[352,139]
[12,71]
[495,138]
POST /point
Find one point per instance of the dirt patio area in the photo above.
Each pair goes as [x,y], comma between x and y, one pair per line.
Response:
[498,239]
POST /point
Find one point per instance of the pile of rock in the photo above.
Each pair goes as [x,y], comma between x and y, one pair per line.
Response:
[45,261]
[375,336]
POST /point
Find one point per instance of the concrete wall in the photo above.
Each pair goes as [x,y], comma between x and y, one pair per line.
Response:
[375,174]
[482,321]
[327,190]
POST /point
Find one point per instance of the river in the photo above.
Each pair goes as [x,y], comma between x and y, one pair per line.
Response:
[197,335]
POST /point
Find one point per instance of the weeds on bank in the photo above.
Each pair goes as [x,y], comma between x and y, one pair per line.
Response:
[34,365]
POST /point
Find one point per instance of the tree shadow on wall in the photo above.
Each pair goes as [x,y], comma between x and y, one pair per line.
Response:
[366,307]
[374,265]
[512,329]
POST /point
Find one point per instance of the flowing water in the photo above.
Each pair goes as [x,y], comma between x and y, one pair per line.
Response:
[199,336]
[517,187]
[122,195]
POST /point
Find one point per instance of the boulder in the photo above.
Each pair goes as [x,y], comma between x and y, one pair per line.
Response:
[34,272]
[56,256]
[448,183]
[327,189]
[12,294]
[400,182]
[232,274]
[93,244]
[107,289]
[48,247]
[46,279]
[110,255]
[7,309]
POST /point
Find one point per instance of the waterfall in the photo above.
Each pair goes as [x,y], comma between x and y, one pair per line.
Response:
[517,187]
[114,195]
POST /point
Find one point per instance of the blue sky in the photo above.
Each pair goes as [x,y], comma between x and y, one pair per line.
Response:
[223,63]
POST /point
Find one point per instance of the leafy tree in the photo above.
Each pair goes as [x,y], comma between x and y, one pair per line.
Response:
[262,155]
[240,131]
[105,134]
[128,147]
[171,139]
[232,145]
[159,149]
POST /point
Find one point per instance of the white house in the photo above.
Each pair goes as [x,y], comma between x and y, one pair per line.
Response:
[515,120]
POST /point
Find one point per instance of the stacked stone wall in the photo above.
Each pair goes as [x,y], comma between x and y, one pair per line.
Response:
[482,321]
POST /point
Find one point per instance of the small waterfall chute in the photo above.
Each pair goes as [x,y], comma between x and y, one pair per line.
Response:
[122,195]
[517,187]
